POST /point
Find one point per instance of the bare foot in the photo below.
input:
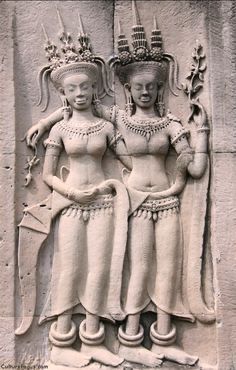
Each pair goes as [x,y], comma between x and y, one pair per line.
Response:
[68,356]
[140,355]
[101,354]
[175,353]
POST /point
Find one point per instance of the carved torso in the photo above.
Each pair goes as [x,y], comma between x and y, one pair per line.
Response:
[148,136]
[79,141]
[148,143]
[85,147]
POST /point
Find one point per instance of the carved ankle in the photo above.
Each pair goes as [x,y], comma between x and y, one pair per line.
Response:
[91,339]
[60,339]
[131,340]
[162,339]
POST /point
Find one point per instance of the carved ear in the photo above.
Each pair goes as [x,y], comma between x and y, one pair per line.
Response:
[127,87]
[61,91]
[95,88]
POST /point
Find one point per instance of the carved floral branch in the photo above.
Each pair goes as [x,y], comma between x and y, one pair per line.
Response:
[31,162]
[194,83]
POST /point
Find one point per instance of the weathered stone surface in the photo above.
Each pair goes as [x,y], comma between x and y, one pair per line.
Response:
[222,45]
[7,187]
[223,240]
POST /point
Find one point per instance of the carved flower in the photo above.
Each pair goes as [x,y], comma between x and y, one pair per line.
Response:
[52,53]
[156,54]
[56,63]
[87,56]
[141,53]
[125,57]
[71,57]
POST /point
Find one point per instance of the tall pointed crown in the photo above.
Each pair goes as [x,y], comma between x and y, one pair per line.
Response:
[72,58]
[71,53]
[140,51]
[143,55]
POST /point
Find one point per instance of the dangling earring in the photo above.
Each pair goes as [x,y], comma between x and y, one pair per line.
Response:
[97,105]
[129,106]
[160,105]
[66,109]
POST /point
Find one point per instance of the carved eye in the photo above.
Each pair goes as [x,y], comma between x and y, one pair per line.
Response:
[84,87]
[150,87]
[138,87]
[71,88]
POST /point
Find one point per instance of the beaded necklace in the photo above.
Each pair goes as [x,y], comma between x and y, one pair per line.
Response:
[80,131]
[146,127]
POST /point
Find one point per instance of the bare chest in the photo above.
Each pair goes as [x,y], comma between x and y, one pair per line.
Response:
[144,139]
[89,141]
[92,145]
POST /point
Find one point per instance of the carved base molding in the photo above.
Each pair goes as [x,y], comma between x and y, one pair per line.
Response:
[127,366]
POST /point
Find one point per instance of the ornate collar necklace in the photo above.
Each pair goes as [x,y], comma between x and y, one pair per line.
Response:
[146,127]
[81,131]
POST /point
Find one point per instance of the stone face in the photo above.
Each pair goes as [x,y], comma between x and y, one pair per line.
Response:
[211,268]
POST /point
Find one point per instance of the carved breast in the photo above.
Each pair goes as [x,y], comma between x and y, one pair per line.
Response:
[137,144]
[92,145]
[84,141]
[151,138]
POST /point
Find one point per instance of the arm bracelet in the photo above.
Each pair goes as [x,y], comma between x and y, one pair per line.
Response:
[70,194]
[203,129]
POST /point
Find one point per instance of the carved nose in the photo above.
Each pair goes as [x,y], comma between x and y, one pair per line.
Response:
[79,92]
[145,92]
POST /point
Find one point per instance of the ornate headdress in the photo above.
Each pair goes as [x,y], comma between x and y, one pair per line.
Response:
[74,58]
[144,58]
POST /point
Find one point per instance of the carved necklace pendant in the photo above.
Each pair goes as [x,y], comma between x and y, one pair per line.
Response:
[147,127]
[80,131]
[148,136]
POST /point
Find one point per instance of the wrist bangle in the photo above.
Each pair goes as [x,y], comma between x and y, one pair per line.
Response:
[70,194]
[203,129]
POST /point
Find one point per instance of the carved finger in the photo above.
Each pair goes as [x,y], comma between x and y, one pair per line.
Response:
[35,139]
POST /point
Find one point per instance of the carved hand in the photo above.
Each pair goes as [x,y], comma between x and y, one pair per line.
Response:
[104,189]
[98,108]
[202,121]
[183,161]
[84,196]
[35,133]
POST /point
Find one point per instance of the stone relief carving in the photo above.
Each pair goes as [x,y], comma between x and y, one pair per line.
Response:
[122,241]
[88,256]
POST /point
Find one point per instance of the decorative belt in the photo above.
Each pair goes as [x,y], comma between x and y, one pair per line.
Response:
[90,209]
[157,208]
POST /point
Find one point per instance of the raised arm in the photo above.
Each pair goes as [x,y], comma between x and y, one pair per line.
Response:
[45,124]
[197,157]
[35,132]
[117,144]
[198,166]
[108,113]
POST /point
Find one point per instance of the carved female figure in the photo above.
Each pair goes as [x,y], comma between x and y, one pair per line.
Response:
[153,279]
[88,257]
[155,245]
